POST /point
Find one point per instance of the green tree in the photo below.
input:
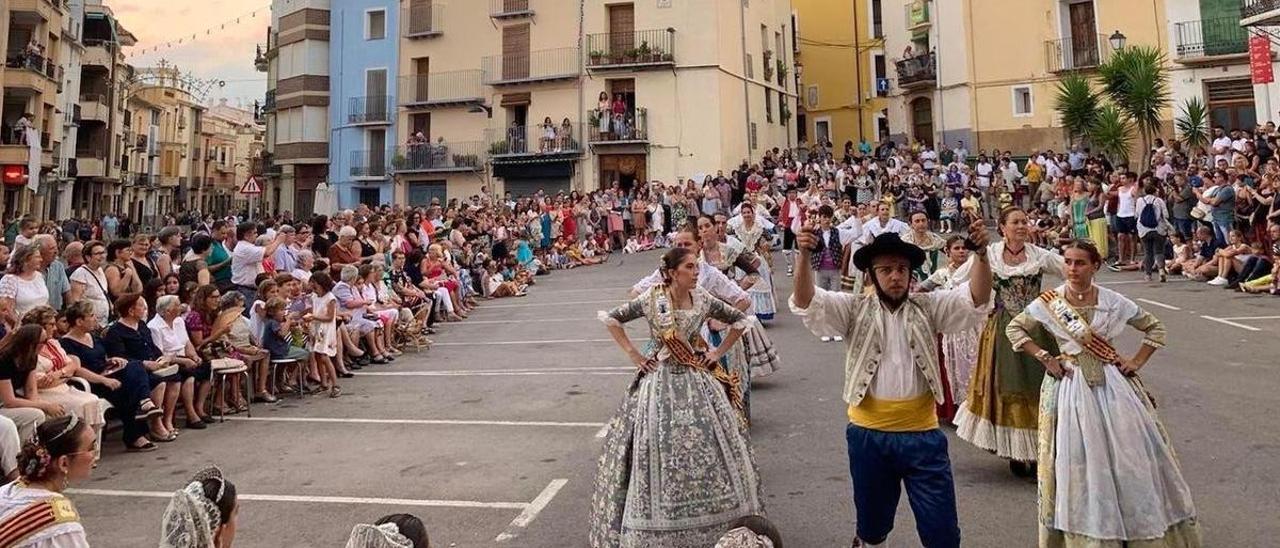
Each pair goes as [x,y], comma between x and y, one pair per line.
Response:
[1112,133]
[1192,124]
[1135,80]
[1077,106]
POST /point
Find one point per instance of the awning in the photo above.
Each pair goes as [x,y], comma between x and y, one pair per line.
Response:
[516,99]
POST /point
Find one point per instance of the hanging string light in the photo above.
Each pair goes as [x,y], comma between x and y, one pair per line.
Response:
[193,38]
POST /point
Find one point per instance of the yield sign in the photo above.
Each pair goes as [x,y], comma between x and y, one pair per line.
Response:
[251,186]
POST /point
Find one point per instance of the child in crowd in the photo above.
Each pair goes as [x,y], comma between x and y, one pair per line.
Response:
[324,327]
[1181,253]
[949,211]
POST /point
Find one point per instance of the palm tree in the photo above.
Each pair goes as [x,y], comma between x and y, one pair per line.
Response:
[1135,80]
[1111,133]
[1192,124]
[1076,105]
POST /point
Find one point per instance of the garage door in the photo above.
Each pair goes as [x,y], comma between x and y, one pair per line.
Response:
[529,187]
[420,194]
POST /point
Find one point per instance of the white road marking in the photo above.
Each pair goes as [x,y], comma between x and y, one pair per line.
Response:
[1159,304]
[318,499]
[532,510]
[541,291]
[427,422]
[1231,323]
[539,320]
[1253,318]
[545,341]
[1124,282]
[505,372]
[615,302]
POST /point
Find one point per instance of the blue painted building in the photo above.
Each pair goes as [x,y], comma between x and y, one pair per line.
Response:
[363,50]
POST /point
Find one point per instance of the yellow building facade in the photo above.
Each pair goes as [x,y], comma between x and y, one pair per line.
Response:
[964,75]
[702,87]
[842,67]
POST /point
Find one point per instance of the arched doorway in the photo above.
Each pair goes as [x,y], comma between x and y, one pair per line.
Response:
[922,120]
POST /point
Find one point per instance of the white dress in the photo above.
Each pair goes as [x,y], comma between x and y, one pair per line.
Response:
[26,294]
[324,335]
[66,532]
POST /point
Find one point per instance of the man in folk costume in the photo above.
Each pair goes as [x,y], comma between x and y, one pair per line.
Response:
[892,380]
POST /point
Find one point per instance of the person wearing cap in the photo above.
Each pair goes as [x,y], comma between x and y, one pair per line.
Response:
[892,379]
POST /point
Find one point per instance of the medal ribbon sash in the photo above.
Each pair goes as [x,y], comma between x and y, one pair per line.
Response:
[1074,324]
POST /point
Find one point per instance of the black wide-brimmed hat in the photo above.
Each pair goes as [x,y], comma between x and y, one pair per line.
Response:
[888,243]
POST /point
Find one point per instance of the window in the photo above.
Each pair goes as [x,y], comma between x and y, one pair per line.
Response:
[812,96]
[877,19]
[751,137]
[1022,102]
[768,105]
[375,27]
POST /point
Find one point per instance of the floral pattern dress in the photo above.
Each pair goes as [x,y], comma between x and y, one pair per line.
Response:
[677,466]
[762,297]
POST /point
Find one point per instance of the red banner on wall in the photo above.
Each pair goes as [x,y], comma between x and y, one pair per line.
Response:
[1260,60]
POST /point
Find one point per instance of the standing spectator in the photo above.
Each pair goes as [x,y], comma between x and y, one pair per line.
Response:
[219,258]
[286,256]
[89,282]
[53,269]
[1126,225]
[246,260]
[1221,198]
[110,226]
[1153,231]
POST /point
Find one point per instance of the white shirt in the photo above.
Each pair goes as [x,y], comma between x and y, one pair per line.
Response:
[1128,196]
[710,279]
[26,294]
[172,340]
[246,263]
[1156,202]
[1222,149]
[875,227]
[15,498]
[95,285]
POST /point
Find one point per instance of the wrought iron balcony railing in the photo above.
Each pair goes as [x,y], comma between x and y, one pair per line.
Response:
[556,139]
[439,156]
[370,109]
[458,87]
[1209,37]
[918,70]
[533,66]
[1077,52]
[631,49]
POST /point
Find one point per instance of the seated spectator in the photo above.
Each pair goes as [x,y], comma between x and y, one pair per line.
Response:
[349,300]
[133,340]
[58,456]
[22,289]
[125,384]
[1260,271]
[235,330]
[1230,259]
[1204,262]
[393,531]
[202,514]
[54,367]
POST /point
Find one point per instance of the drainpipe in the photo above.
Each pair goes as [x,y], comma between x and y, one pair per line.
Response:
[582,107]
[936,28]
[857,69]
[746,85]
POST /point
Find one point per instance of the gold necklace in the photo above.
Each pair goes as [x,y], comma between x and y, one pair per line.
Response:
[1080,295]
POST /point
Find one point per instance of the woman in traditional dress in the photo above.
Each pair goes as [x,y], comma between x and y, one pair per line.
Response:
[677,467]
[34,512]
[749,230]
[1002,409]
[202,514]
[731,258]
[934,246]
[959,350]
[1108,475]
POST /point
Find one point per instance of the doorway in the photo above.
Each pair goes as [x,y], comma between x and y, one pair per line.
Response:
[1084,35]
[821,131]
[371,197]
[626,169]
[922,120]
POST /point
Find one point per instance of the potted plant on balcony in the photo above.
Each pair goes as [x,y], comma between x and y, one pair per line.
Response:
[643,52]
[630,55]
[596,56]
[498,147]
[782,72]
[399,162]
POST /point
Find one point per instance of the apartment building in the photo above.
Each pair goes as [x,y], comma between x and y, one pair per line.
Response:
[843,69]
[296,108]
[231,141]
[962,75]
[31,31]
[502,95]
[99,139]
[164,182]
[62,184]
[363,53]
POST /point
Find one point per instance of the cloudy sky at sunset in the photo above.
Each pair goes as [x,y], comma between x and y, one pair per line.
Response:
[226,53]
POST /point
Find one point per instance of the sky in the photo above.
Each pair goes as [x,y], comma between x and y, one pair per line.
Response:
[225,53]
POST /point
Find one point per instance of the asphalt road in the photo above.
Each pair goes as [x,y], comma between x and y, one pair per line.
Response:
[491,436]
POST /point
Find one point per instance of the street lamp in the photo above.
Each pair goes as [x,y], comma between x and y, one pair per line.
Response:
[1117,40]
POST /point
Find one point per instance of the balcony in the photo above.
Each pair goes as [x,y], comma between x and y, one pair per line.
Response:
[260,61]
[517,142]
[1198,40]
[371,109]
[94,107]
[916,15]
[442,89]
[631,50]
[96,54]
[91,160]
[269,102]
[1259,13]
[509,9]
[1076,53]
[422,19]
[140,142]
[369,163]
[633,129]
[917,72]
[439,157]
[534,66]
[48,69]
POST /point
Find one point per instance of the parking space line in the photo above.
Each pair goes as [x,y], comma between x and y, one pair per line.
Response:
[1231,323]
[421,422]
[318,499]
[504,372]
[1159,304]
[1246,318]
[532,510]
[544,341]
[617,301]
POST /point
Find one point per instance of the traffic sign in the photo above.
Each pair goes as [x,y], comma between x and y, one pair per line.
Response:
[251,186]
